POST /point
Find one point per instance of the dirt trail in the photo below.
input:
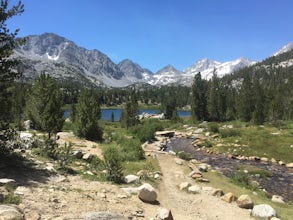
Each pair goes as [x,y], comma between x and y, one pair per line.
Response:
[191,206]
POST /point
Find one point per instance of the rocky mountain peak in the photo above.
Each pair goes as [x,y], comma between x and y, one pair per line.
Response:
[284,49]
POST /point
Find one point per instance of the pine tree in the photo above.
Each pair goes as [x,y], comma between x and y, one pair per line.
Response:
[8,74]
[199,100]
[213,99]
[131,112]
[44,105]
[245,99]
[88,113]
[258,114]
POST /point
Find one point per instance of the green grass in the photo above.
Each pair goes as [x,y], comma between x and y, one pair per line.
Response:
[217,180]
[263,141]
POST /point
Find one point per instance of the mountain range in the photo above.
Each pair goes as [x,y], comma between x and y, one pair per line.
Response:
[63,59]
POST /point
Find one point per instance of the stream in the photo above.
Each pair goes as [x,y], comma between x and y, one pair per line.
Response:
[280,183]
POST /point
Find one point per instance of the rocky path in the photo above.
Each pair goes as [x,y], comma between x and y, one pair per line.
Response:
[191,206]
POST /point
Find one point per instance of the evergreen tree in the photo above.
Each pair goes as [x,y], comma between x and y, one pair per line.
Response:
[88,113]
[129,116]
[258,114]
[199,100]
[245,99]
[214,98]
[8,74]
[44,105]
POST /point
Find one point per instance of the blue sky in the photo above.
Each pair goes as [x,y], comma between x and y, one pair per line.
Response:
[155,33]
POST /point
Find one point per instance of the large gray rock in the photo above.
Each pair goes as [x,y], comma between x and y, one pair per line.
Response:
[263,211]
[10,212]
[147,193]
[102,216]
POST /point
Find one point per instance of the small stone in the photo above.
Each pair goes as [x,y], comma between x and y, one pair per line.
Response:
[131,190]
[263,211]
[157,176]
[202,180]
[131,179]
[228,197]
[78,154]
[165,214]
[281,163]
[194,189]
[289,165]
[178,161]
[218,192]
[21,190]
[196,176]
[184,185]
[245,202]
[87,156]
[277,199]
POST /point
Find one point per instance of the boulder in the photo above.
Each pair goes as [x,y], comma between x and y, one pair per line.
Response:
[147,193]
[10,212]
[184,185]
[263,211]
[102,216]
[131,179]
[194,189]
[164,214]
[217,192]
[277,199]
[245,202]
[228,197]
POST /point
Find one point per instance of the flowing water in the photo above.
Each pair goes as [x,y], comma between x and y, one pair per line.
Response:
[280,183]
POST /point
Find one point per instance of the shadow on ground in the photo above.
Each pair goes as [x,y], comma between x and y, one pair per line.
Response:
[22,170]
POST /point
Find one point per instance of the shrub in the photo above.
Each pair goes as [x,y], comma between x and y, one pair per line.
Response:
[64,154]
[213,127]
[146,130]
[113,164]
[242,179]
[224,133]
[184,155]
[130,148]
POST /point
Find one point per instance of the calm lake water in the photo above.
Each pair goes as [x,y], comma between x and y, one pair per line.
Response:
[106,113]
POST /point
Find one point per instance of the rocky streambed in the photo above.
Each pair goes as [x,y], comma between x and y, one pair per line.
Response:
[279,183]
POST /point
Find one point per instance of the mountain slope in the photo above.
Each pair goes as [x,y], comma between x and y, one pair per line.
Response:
[68,62]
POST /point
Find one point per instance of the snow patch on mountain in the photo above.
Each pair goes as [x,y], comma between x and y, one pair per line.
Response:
[284,49]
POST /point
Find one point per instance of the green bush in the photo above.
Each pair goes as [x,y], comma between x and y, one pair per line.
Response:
[224,133]
[129,148]
[113,164]
[242,179]
[146,130]
[213,127]
[64,154]
[184,155]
